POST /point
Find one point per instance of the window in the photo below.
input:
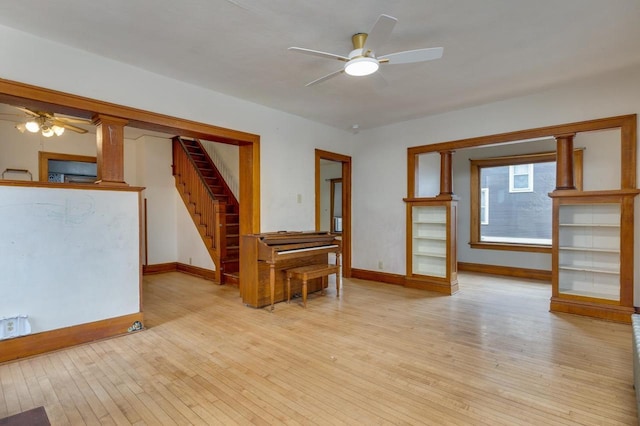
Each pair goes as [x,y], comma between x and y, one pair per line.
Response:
[484,206]
[521,178]
[515,190]
[66,168]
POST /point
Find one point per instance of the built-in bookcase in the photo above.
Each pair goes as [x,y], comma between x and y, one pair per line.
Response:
[593,253]
[431,254]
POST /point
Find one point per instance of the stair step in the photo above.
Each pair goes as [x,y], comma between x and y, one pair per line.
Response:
[231,279]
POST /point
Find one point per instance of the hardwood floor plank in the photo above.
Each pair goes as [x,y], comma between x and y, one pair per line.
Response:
[490,355]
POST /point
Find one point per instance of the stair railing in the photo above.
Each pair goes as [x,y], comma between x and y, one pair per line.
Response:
[199,195]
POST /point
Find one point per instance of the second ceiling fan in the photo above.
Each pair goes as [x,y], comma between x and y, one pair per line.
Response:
[364,60]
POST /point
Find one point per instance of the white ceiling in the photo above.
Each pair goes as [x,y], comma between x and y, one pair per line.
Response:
[493,49]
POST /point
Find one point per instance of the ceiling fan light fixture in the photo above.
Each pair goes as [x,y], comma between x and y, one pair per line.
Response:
[32,126]
[47,132]
[58,130]
[361,66]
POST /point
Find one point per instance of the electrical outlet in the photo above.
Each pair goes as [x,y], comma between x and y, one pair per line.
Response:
[299,197]
[190,261]
[380,266]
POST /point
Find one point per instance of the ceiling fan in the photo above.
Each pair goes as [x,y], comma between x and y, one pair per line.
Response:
[364,60]
[49,124]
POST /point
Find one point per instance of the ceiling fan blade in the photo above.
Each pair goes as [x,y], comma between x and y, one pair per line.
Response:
[28,111]
[410,56]
[380,33]
[71,127]
[320,54]
[326,77]
[73,120]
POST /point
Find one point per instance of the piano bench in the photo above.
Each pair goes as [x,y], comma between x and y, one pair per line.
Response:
[309,272]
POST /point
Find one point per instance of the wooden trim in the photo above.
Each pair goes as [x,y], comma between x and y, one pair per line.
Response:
[474,196]
[382,277]
[432,284]
[626,122]
[207,274]
[16,93]
[69,186]
[412,173]
[346,203]
[332,196]
[249,197]
[44,157]
[38,343]
[628,152]
[603,311]
[564,162]
[510,247]
[110,149]
[160,268]
[590,194]
[507,271]
[446,173]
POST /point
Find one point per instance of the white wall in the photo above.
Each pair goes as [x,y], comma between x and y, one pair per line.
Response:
[381,159]
[154,158]
[56,275]
[287,142]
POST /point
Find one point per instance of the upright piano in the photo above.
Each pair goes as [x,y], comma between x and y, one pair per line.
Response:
[264,259]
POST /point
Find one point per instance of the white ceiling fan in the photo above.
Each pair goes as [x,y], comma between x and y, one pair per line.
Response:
[364,60]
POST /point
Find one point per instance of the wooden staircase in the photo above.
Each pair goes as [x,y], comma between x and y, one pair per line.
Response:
[211,204]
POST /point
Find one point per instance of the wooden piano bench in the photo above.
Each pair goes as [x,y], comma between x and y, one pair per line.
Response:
[310,272]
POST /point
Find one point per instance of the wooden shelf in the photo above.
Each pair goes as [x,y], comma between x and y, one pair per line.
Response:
[589,249]
[590,294]
[592,253]
[592,270]
[431,256]
[442,255]
[591,225]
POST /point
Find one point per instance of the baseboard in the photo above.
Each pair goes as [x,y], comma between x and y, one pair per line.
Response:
[207,274]
[598,310]
[47,341]
[434,285]
[161,268]
[383,277]
[507,271]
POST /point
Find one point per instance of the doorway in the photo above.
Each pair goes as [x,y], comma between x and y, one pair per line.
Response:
[333,200]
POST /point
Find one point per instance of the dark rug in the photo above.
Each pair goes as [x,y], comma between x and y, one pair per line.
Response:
[35,417]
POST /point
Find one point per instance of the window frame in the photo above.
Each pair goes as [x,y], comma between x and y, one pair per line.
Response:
[475,197]
[485,220]
[512,175]
[44,157]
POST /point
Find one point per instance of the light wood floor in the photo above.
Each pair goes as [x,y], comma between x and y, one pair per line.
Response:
[381,354]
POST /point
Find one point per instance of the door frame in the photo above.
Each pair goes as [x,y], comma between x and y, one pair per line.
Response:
[346,203]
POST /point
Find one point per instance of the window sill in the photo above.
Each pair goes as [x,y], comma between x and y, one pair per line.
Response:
[511,247]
